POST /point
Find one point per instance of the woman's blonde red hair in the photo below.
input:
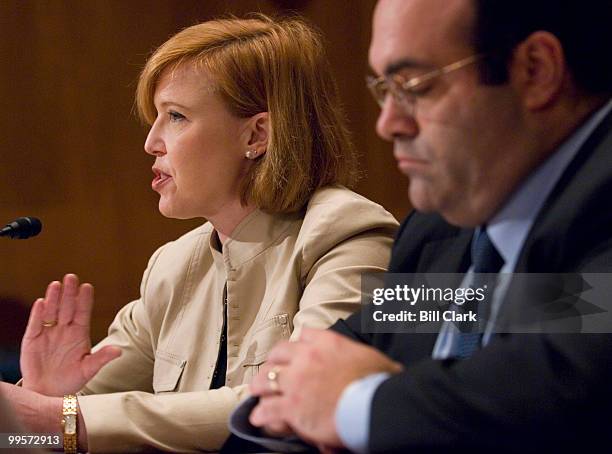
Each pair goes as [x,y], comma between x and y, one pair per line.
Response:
[259,64]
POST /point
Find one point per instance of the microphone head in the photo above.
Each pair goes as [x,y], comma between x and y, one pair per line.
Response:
[22,228]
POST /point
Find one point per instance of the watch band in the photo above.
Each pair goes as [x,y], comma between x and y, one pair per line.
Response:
[69,423]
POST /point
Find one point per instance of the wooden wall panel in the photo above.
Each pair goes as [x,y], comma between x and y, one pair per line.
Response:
[72,149]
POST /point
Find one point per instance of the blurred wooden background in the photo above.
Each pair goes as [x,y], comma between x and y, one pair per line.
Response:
[72,149]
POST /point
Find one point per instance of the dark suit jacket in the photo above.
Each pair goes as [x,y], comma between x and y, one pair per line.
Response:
[522,392]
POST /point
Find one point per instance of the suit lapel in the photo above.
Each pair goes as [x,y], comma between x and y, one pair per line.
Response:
[448,255]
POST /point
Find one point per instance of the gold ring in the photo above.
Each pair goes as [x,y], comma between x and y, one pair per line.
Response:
[273,375]
[49,324]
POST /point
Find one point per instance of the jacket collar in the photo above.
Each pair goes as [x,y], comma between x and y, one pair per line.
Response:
[255,233]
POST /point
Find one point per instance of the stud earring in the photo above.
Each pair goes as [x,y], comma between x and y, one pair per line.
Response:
[251,154]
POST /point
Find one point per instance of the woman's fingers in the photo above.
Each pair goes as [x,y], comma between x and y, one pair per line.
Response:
[64,303]
[94,362]
[68,300]
[35,326]
[51,303]
[84,306]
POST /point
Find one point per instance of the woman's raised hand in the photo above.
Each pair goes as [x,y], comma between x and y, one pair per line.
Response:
[56,356]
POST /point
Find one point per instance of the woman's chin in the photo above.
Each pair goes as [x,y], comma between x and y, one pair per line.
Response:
[172,212]
[169,211]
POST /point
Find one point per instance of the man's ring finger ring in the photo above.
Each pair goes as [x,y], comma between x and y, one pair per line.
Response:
[49,323]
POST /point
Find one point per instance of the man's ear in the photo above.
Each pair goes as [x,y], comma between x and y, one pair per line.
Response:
[538,70]
[258,133]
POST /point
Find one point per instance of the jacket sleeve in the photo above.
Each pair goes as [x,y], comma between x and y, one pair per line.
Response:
[527,390]
[136,421]
[131,331]
[335,256]
[351,325]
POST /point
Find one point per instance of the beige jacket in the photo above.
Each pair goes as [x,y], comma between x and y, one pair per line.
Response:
[282,273]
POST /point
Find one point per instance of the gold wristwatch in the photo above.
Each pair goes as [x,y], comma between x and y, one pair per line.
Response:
[69,423]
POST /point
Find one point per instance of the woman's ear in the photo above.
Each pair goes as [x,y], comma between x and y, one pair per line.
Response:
[258,133]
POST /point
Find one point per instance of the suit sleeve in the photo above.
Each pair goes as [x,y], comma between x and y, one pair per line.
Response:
[527,390]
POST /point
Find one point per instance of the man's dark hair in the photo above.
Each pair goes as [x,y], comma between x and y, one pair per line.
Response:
[584,28]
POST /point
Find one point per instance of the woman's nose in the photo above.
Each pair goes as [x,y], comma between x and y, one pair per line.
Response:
[154,144]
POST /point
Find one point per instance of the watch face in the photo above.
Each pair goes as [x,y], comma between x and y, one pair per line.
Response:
[69,423]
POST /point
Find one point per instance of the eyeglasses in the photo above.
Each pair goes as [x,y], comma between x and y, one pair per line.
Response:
[405,92]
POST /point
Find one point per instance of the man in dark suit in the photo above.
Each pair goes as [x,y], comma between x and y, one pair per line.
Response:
[500,114]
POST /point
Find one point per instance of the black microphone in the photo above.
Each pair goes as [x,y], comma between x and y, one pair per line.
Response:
[22,228]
